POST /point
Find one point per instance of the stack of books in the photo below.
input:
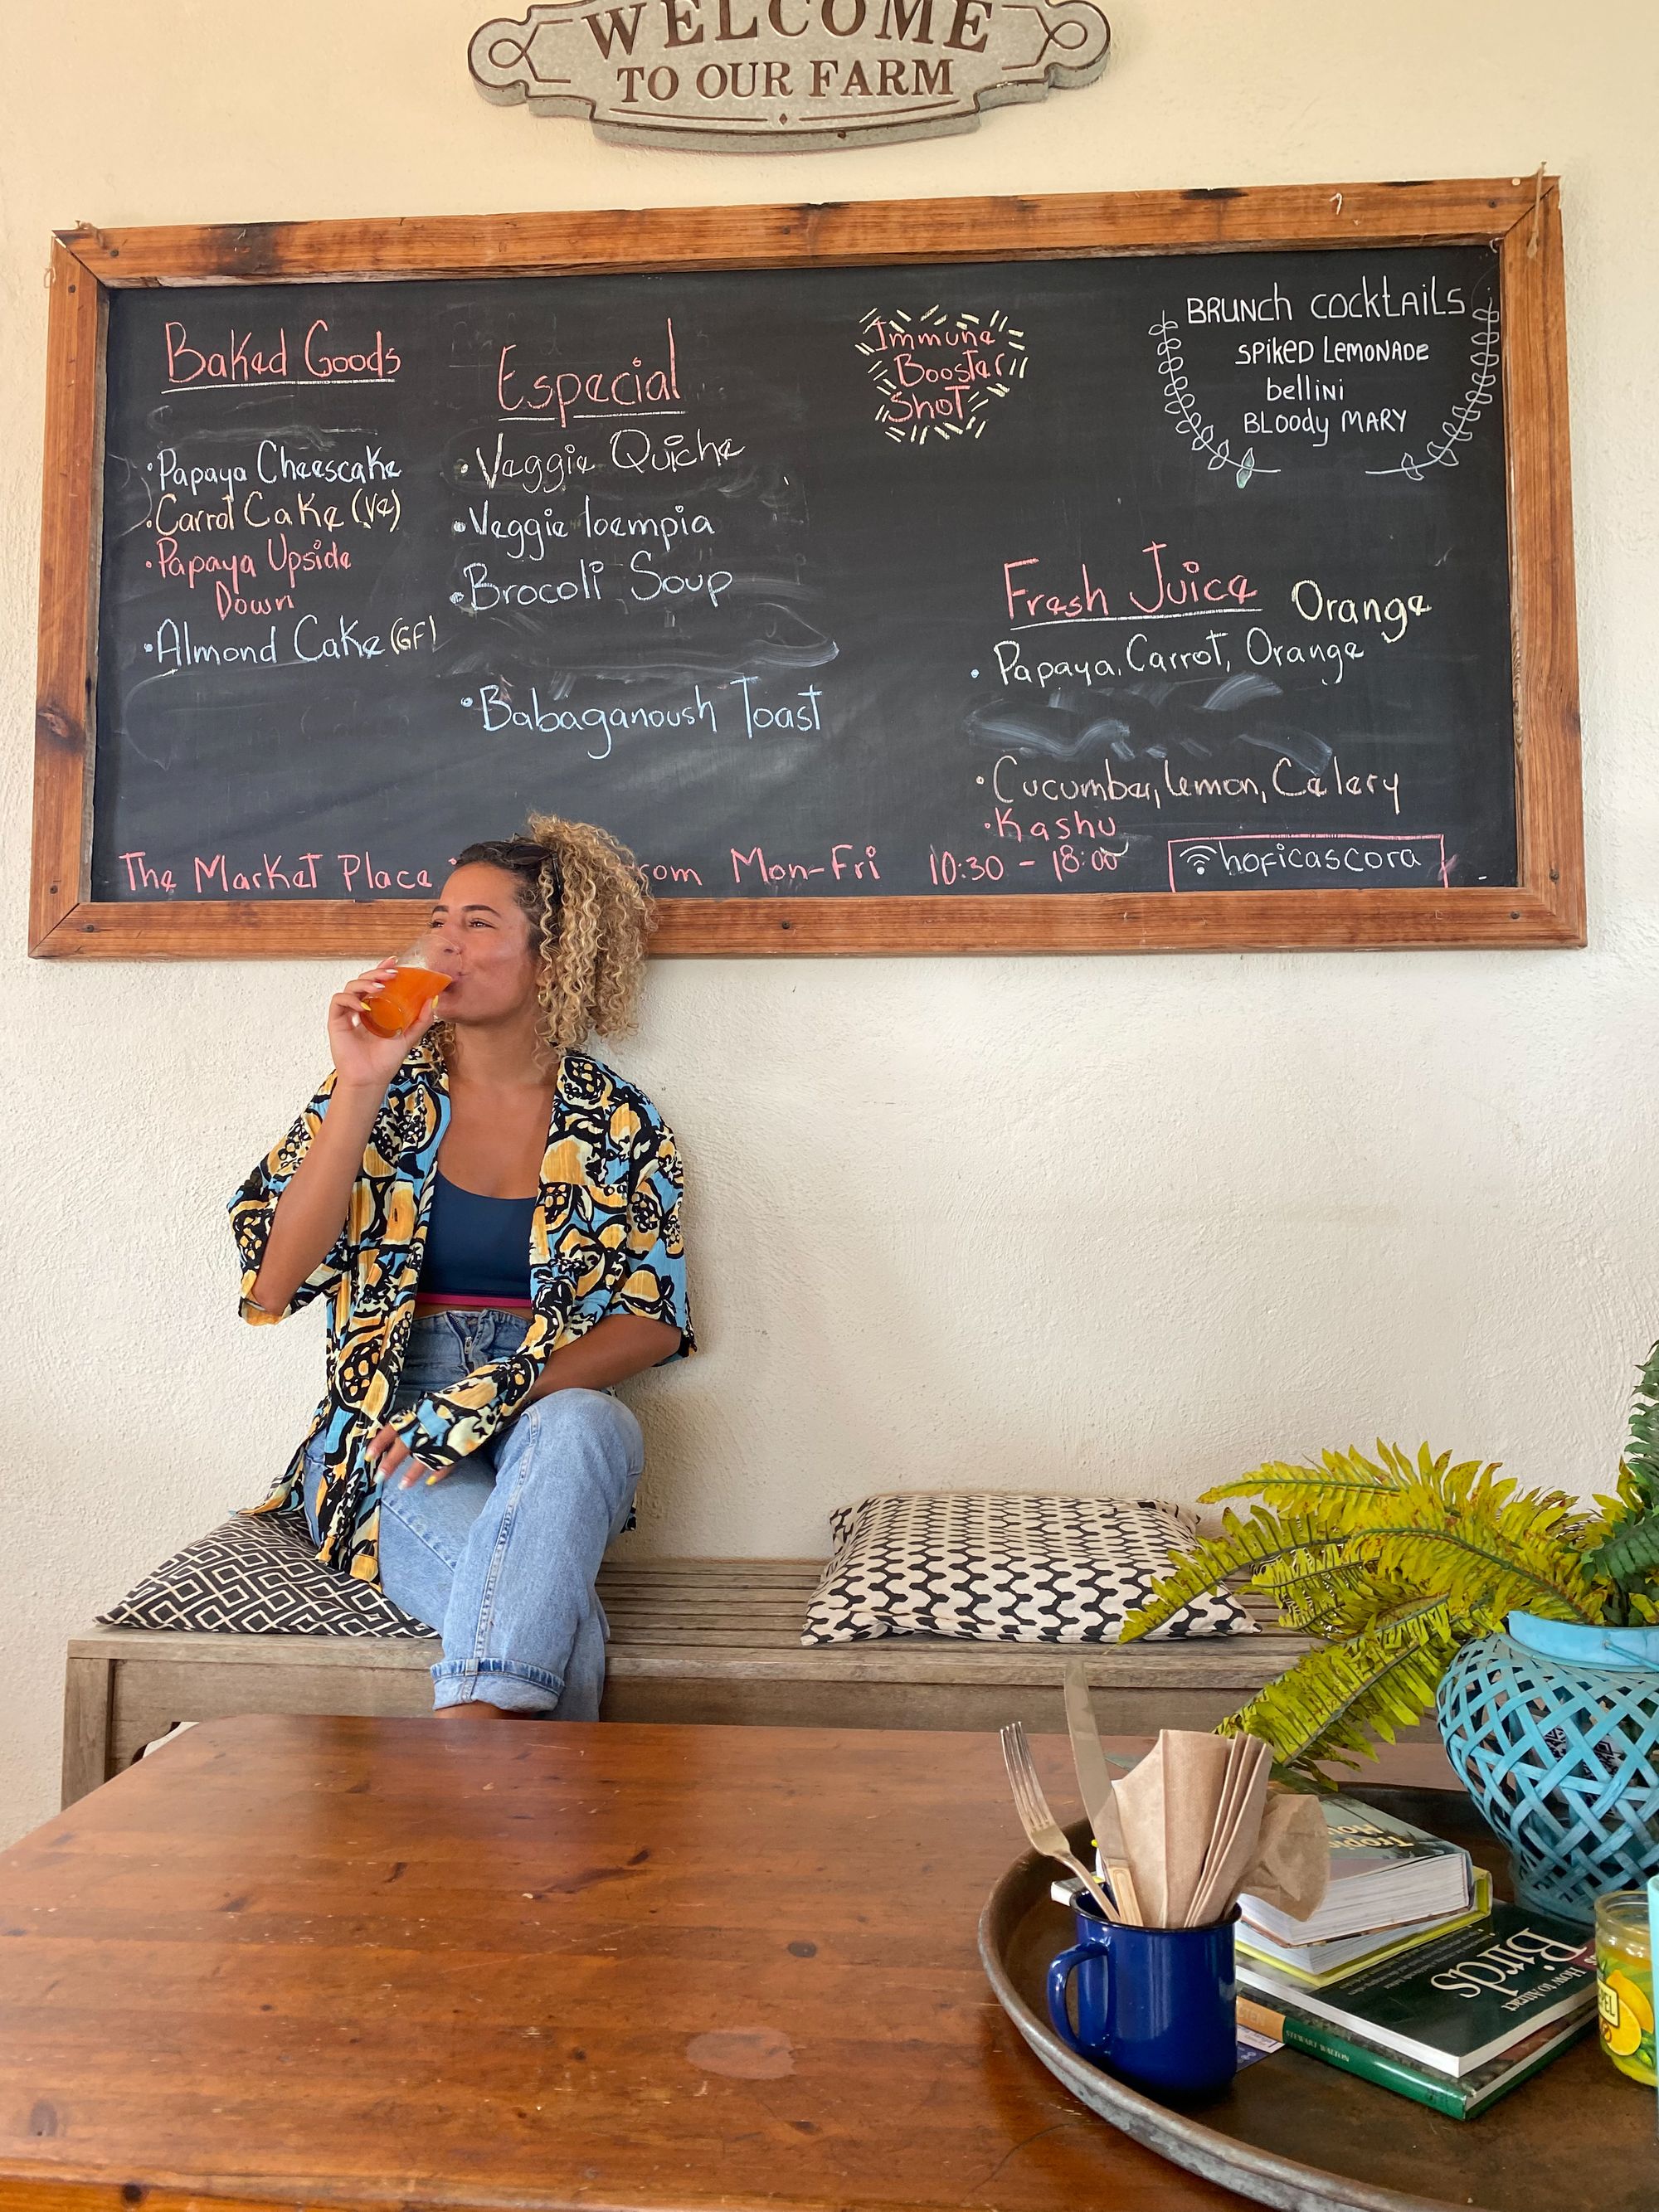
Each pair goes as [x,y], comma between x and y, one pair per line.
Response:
[1408,1975]
[1392,1887]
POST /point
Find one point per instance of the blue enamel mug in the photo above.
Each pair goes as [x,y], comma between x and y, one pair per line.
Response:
[1154,2005]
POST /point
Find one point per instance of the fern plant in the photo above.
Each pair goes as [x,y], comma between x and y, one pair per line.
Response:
[1627,1550]
[1393,1563]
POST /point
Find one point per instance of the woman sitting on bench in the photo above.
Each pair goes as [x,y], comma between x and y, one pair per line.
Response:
[495,1219]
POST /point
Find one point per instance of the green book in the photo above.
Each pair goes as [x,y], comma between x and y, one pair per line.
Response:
[1461,2098]
[1454,2004]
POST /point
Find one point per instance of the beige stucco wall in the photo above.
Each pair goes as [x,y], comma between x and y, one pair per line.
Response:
[1128,1225]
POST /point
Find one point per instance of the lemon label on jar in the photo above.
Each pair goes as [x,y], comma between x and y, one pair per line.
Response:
[1632,1997]
[1626,2022]
[1621,2031]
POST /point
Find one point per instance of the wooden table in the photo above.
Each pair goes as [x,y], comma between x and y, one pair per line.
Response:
[400,1963]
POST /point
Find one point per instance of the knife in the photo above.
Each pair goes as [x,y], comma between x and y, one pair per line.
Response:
[1099,1799]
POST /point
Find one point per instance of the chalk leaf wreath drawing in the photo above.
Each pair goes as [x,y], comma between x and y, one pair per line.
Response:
[1485,367]
[1179,401]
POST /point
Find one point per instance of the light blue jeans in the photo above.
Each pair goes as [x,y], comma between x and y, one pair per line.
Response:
[501,1555]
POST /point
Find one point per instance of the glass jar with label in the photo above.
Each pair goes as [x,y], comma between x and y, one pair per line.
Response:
[1624,1983]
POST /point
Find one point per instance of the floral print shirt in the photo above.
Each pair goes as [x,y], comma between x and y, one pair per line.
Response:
[604,1239]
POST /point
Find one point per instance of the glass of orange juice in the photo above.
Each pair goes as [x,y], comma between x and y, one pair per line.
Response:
[399,1001]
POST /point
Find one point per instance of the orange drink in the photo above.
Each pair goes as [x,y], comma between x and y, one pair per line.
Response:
[393,1008]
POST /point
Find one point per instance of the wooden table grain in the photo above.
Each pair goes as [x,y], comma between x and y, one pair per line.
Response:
[397,1963]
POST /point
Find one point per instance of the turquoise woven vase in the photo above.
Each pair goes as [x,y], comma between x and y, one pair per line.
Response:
[1555,1731]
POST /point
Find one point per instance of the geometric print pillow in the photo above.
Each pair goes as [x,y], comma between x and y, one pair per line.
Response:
[1005,1567]
[258,1576]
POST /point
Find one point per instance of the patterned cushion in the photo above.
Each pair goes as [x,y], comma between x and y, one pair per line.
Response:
[258,1576]
[1003,1566]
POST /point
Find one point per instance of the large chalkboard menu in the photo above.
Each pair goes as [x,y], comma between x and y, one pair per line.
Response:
[855,599]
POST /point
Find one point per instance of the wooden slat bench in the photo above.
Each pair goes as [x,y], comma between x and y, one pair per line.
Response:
[694,1640]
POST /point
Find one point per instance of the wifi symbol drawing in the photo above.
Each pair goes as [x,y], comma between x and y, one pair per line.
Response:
[1200,859]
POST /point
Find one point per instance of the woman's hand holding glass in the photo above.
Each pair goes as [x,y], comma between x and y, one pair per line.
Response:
[362,1057]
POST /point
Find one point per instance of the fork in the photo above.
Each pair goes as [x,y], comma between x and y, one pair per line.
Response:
[1042,1831]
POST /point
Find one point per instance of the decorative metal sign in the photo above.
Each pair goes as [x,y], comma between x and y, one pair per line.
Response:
[785,75]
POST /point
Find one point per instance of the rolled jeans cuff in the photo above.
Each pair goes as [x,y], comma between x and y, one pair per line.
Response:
[514,1688]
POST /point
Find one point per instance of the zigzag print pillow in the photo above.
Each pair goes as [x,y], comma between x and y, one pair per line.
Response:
[1004,1566]
[258,1575]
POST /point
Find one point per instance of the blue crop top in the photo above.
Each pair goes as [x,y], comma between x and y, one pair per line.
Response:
[476,1247]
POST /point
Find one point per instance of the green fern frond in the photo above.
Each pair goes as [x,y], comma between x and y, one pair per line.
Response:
[1338,1603]
[1311,1599]
[1630,1552]
[1365,1535]
[1309,1489]
[1244,1547]
[1335,1701]
[1642,1458]
[1486,1583]
[1466,1530]
[1617,1545]
[1626,1503]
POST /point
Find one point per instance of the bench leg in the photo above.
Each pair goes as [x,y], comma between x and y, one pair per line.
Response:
[87,1687]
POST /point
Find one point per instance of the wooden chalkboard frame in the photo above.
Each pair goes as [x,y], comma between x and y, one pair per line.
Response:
[1521,218]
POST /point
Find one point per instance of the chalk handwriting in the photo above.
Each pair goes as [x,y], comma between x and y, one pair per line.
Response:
[234,357]
[938,374]
[587,395]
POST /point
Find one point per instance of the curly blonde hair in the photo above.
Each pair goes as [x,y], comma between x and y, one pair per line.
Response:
[590,918]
